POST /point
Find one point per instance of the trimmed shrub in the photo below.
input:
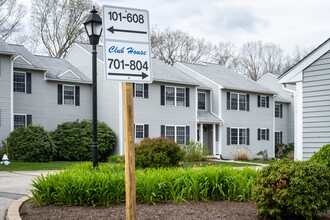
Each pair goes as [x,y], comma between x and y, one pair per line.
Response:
[289,188]
[322,156]
[158,152]
[242,153]
[31,144]
[116,159]
[195,151]
[74,140]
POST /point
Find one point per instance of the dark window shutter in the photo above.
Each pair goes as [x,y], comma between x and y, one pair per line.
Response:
[28,83]
[187,134]
[281,137]
[258,100]
[28,119]
[146,130]
[228,100]
[248,136]
[228,136]
[162,130]
[267,101]
[162,95]
[77,95]
[247,102]
[146,91]
[259,131]
[133,89]
[187,97]
[281,115]
[59,94]
[267,134]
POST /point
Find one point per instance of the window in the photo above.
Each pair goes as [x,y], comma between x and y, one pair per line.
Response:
[179,134]
[180,96]
[170,95]
[237,101]
[170,132]
[19,82]
[238,136]
[68,95]
[19,120]
[263,134]
[263,101]
[139,90]
[139,131]
[278,111]
[278,137]
[201,101]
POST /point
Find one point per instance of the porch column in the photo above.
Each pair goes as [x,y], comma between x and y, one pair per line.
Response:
[201,132]
[220,138]
[214,140]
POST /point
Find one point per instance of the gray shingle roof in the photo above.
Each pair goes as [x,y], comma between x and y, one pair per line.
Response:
[5,48]
[279,98]
[227,78]
[60,69]
[205,116]
[22,51]
[161,71]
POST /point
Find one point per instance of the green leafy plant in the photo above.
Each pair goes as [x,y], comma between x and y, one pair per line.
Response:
[158,152]
[242,153]
[116,159]
[86,186]
[195,151]
[32,144]
[322,156]
[288,188]
[74,140]
[7,149]
[283,150]
[264,154]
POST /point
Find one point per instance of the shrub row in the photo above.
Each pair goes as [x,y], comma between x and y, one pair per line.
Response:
[70,141]
[82,185]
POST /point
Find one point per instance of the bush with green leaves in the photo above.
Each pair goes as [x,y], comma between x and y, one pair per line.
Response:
[158,152]
[289,188]
[322,156]
[264,154]
[105,185]
[32,144]
[74,140]
[195,151]
[116,159]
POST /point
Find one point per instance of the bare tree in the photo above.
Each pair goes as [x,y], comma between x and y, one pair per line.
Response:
[172,46]
[224,53]
[11,15]
[256,59]
[58,23]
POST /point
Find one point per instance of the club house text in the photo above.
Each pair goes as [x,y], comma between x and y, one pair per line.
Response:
[129,50]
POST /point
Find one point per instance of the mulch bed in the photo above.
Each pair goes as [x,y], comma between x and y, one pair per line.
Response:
[194,210]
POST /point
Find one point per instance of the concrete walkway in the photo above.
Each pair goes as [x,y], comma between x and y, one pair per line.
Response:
[14,185]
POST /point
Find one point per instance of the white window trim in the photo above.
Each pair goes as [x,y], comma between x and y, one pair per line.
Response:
[175,97]
[175,130]
[142,130]
[204,101]
[239,128]
[238,95]
[74,94]
[142,90]
[279,110]
[261,129]
[24,81]
[263,96]
[25,115]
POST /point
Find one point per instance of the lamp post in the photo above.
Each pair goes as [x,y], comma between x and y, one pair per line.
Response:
[93,26]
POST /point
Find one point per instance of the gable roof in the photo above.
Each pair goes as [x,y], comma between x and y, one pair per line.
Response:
[161,71]
[5,48]
[227,78]
[294,74]
[32,62]
[60,69]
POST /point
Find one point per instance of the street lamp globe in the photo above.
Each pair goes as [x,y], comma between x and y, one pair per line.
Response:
[93,26]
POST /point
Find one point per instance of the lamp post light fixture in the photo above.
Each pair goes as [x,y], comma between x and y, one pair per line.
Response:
[5,160]
[93,26]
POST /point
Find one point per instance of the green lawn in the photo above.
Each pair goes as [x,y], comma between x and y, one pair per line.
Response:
[216,164]
[262,162]
[23,166]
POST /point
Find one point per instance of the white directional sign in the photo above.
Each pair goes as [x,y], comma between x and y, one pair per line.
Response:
[126,44]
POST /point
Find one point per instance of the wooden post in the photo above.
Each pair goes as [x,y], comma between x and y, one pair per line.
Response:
[129,151]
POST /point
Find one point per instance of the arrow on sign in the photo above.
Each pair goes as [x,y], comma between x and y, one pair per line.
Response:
[112,30]
[143,75]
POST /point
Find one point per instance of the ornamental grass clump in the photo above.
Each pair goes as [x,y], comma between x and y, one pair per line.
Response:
[195,151]
[242,153]
[288,189]
[105,185]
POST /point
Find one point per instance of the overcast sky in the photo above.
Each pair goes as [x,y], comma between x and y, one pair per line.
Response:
[304,23]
